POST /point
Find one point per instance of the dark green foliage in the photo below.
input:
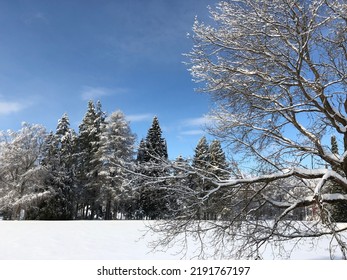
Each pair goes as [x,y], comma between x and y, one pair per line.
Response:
[338,209]
[88,143]
[156,148]
[334,145]
[141,152]
[209,164]
[201,156]
[198,182]
[152,155]
[217,162]
[59,166]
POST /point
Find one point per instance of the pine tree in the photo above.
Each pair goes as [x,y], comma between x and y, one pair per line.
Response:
[88,143]
[218,168]
[338,210]
[210,164]
[152,157]
[57,161]
[156,147]
[198,181]
[178,201]
[141,152]
[201,155]
[116,153]
[218,165]
[334,145]
[66,146]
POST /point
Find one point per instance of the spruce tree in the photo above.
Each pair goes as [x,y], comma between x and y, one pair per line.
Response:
[198,179]
[338,210]
[334,145]
[218,170]
[88,143]
[141,152]
[201,155]
[65,137]
[57,161]
[210,164]
[218,165]
[156,147]
[179,202]
[153,156]
[116,153]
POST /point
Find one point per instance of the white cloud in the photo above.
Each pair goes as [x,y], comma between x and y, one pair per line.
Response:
[139,117]
[10,107]
[93,93]
[193,132]
[201,121]
[194,126]
[36,17]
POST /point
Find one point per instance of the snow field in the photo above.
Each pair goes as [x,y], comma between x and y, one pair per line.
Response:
[109,240]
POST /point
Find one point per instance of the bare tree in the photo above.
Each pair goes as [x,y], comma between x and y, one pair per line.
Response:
[21,176]
[277,72]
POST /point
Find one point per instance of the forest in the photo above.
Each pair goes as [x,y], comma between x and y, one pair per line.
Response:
[97,173]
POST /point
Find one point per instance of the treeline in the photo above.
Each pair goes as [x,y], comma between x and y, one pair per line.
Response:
[99,173]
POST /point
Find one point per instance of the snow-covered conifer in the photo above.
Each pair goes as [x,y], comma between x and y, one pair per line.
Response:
[201,155]
[152,161]
[141,151]
[218,165]
[156,145]
[88,143]
[116,154]
[337,211]
[58,162]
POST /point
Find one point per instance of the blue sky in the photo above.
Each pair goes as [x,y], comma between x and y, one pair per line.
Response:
[57,55]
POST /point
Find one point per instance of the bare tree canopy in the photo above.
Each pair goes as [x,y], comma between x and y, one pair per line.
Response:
[277,73]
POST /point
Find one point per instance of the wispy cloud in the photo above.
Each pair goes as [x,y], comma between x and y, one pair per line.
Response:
[201,121]
[193,132]
[195,126]
[93,93]
[36,17]
[10,107]
[139,117]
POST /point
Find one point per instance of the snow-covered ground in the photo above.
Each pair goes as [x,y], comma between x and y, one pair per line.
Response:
[101,240]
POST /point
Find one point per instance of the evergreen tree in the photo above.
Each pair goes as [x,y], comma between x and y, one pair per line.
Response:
[198,183]
[152,156]
[334,145]
[210,164]
[218,165]
[179,202]
[338,210]
[156,147]
[141,152]
[201,155]
[218,169]
[116,153]
[88,143]
[57,160]
[66,146]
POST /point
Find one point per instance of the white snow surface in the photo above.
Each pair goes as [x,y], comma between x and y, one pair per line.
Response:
[103,240]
